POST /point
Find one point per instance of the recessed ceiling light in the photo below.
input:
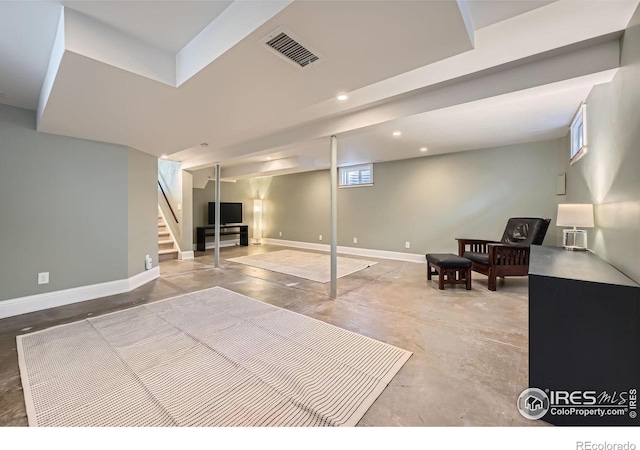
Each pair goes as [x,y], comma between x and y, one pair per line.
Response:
[397,133]
[268,158]
[423,149]
[164,157]
[342,97]
[204,144]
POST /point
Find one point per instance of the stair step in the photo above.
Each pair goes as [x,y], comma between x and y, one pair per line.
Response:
[166,256]
[167,251]
[163,233]
[165,241]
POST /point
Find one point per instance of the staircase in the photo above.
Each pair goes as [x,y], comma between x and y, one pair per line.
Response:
[166,247]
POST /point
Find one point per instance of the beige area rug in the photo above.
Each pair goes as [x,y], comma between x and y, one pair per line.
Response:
[311,266]
[210,358]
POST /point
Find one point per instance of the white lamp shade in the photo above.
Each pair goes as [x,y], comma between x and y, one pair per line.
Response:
[575,215]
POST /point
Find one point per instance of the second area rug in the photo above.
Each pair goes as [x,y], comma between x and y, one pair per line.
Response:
[310,266]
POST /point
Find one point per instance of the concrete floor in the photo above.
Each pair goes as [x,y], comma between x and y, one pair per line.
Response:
[469,360]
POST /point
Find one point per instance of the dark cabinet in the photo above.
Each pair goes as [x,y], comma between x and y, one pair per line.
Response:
[584,335]
[225,230]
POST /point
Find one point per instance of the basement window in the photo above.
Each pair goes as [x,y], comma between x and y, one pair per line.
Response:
[579,134]
[361,175]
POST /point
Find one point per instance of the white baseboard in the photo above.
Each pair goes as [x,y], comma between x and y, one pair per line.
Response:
[227,243]
[38,302]
[142,278]
[384,254]
[185,255]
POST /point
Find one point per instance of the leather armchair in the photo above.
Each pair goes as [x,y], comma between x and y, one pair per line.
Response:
[510,255]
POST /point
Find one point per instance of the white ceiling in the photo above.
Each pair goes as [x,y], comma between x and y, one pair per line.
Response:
[27,31]
[168,25]
[526,116]
[248,91]
[410,65]
[488,12]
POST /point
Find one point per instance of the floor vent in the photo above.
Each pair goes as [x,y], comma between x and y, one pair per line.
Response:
[286,45]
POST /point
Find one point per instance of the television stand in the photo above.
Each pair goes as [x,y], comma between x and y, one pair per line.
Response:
[225,230]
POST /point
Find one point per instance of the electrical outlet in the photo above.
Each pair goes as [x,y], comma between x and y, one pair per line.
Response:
[355,240]
[320,237]
[43,278]
[280,234]
[407,245]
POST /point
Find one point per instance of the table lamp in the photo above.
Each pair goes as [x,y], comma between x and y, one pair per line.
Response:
[575,215]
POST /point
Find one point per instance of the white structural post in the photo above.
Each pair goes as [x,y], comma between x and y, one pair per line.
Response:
[334,217]
[217,224]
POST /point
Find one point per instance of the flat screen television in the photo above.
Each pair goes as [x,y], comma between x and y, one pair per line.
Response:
[229,213]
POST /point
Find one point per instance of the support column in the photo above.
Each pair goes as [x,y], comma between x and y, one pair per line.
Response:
[217,224]
[334,217]
[186,222]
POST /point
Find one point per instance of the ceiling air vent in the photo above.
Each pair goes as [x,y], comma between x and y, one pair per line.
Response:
[287,46]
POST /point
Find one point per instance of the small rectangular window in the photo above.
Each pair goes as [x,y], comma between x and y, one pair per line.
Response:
[579,134]
[356,175]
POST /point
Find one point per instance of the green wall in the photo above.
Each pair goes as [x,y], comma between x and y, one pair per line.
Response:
[239,191]
[427,201]
[70,207]
[609,174]
[142,210]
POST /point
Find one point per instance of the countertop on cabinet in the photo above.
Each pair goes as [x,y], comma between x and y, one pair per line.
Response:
[575,265]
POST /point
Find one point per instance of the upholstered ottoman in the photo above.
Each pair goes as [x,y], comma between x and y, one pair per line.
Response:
[451,269]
